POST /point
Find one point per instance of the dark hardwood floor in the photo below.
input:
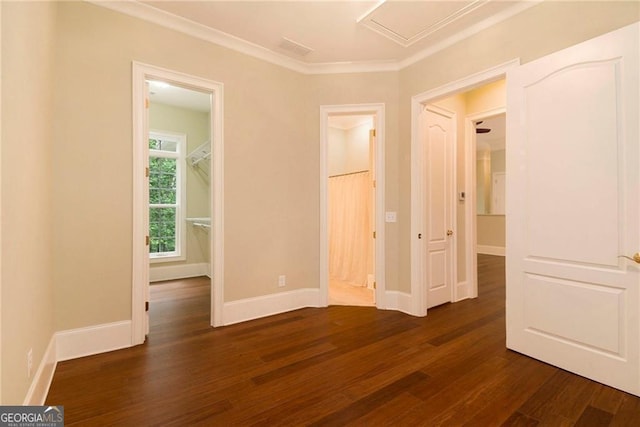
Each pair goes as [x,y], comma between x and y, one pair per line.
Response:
[334,366]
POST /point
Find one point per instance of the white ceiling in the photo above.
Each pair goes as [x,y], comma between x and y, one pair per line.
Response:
[346,122]
[164,93]
[337,36]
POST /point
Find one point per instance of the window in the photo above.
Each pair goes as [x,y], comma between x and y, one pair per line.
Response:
[166,196]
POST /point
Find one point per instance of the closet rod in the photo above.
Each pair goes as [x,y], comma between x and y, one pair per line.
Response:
[349,173]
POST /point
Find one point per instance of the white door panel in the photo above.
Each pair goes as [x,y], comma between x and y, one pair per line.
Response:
[573,207]
[439,131]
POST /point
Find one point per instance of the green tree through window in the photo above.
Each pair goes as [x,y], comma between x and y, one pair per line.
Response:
[164,196]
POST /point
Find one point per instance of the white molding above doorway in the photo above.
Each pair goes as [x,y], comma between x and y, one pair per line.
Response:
[378,111]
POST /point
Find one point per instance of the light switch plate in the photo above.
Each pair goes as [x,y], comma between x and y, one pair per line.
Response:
[390,217]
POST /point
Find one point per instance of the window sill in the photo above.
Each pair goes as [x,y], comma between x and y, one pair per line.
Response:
[166,258]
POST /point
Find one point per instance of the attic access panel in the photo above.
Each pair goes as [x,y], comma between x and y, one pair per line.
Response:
[409,22]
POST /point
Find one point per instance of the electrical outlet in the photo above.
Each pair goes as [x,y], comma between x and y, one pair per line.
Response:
[282,281]
[29,362]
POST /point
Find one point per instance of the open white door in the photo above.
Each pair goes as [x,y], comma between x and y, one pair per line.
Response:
[439,141]
[147,291]
[573,207]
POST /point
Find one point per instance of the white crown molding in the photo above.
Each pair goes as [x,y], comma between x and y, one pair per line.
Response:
[194,29]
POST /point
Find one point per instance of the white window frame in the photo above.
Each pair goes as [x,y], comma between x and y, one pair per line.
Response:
[180,254]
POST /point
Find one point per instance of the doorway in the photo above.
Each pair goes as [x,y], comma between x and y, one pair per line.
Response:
[352,170]
[162,236]
[179,195]
[453,98]
[489,136]
[351,213]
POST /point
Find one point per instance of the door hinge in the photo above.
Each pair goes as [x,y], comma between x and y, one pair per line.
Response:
[146,172]
[146,103]
[373,133]
[146,240]
[374,183]
[374,234]
[146,306]
[374,285]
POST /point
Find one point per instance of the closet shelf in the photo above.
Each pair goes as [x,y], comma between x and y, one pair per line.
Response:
[200,222]
[203,152]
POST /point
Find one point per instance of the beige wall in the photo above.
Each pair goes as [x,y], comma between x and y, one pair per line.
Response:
[498,161]
[358,148]
[195,125]
[540,30]
[336,151]
[27,144]
[486,97]
[491,230]
[348,149]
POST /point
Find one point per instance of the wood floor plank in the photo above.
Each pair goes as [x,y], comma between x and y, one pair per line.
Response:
[332,366]
[628,413]
[518,419]
[594,417]
[369,403]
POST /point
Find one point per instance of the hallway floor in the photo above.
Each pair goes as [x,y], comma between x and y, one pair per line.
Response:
[342,293]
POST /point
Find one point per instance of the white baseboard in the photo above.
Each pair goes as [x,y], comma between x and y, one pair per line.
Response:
[371,279]
[74,343]
[490,250]
[399,301]
[41,382]
[172,272]
[268,305]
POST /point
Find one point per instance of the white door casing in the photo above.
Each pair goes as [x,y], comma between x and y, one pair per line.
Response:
[573,206]
[438,150]
[140,274]
[145,217]
[372,172]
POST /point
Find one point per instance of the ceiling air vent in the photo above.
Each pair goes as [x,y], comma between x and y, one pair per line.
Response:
[295,47]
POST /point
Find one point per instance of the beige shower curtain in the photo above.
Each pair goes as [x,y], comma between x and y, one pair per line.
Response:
[350,238]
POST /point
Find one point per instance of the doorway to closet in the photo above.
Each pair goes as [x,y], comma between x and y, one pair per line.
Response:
[179,203]
[352,225]
[351,212]
[177,188]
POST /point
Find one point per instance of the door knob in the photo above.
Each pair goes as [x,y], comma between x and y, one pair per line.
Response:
[636,257]
[449,232]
